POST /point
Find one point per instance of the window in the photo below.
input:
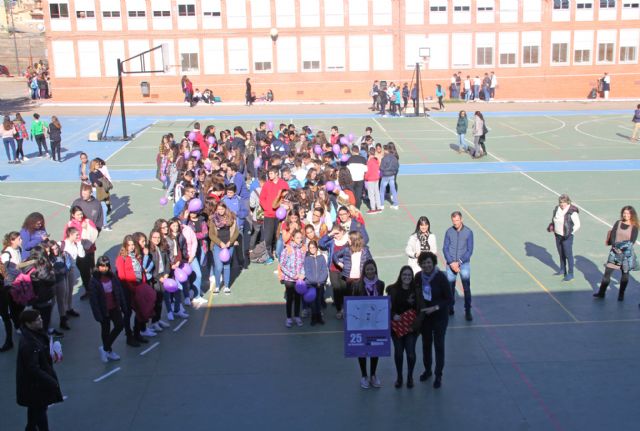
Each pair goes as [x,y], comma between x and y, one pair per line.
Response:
[310,13]
[262,66]
[582,56]
[359,53]
[559,52]
[285,13]
[507,59]
[605,52]
[414,12]
[607,4]
[440,8]
[236,14]
[508,48]
[186,10]
[628,54]
[81,14]
[260,13]
[59,10]
[358,12]
[211,13]
[111,14]
[584,5]
[161,13]
[137,13]
[530,54]
[462,8]
[262,54]
[189,61]
[334,49]
[561,4]
[211,18]
[333,13]
[381,12]
[311,65]
[631,5]
[484,56]
[238,54]
[310,51]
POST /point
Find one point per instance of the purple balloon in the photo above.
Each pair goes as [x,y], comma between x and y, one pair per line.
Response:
[170,285]
[281,213]
[224,255]
[164,201]
[211,140]
[344,140]
[270,125]
[257,163]
[163,178]
[310,295]
[336,149]
[196,154]
[317,149]
[192,136]
[186,268]
[180,275]
[301,287]
[351,137]
[344,158]
[186,154]
[330,185]
[195,205]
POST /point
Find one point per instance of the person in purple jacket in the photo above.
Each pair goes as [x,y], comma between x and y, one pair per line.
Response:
[33,232]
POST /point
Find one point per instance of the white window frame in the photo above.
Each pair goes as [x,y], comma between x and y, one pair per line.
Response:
[238,55]
[485,41]
[606,38]
[359,49]
[438,12]
[211,14]
[528,41]
[287,54]
[285,13]
[382,11]
[582,42]
[333,13]
[414,12]
[383,51]
[335,53]
[508,45]
[60,13]
[358,13]
[461,50]
[260,13]
[310,13]
[311,53]
[262,51]
[236,14]
[629,39]
[186,8]
[461,10]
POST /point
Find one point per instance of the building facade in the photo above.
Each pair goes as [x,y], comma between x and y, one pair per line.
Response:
[334,49]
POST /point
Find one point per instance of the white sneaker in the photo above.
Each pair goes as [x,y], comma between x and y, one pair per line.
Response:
[227,290]
[375,382]
[364,383]
[104,356]
[305,313]
[155,327]
[288,323]
[25,159]
[106,228]
[182,314]
[113,356]
[187,302]
[395,207]
[148,333]
[216,290]
[163,324]
[298,321]
[170,316]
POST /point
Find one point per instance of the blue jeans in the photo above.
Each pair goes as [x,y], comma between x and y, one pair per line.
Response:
[467,94]
[486,94]
[10,142]
[392,185]
[221,268]
[465,276]
[196,277]
[177,299]
[461,142]
[279,246]
[476,91]
[565,250]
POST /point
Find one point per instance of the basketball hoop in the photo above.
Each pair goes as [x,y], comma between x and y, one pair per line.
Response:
[425,54]
[425,61]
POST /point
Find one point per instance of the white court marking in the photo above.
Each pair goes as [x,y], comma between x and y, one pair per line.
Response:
[104,376]
[375,120]
[35,199]
[619,140]
[177,328]
[150,348]
[143,131]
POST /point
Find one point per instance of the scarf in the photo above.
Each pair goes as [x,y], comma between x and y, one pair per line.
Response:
[137,268]
[426,283]
[424,241]
[219,221]
[370,286]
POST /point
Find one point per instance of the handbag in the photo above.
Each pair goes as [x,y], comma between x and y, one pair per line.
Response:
[106,184]
[406,323]
[144,301]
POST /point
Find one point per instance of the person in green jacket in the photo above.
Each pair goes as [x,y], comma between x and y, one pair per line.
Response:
[461,129]
[38,132]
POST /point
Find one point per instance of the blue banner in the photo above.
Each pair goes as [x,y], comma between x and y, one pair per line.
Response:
[366,326]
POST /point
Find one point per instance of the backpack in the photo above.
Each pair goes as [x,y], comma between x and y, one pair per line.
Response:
[34,84]
[259,253]
[22,289]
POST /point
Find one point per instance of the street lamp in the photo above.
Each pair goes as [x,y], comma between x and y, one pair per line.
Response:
[274,34]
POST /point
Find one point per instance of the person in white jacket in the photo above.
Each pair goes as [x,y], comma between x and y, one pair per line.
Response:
[73,249]
[420,241]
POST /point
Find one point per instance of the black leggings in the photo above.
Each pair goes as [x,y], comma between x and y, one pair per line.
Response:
[19,151]
[606,279]
[406,343]
[293,299]
[55,149]
[9,311]
[269,229]
[37,419]
[109,334]
[41,140]
[440,103]
[339,287]
[85,266]
[372,367]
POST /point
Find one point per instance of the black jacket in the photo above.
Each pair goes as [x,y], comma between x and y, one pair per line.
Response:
[440,296]
[98,299]
[166,263]
[36,381]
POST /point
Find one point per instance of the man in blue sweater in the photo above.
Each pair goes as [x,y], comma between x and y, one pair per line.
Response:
[458,248]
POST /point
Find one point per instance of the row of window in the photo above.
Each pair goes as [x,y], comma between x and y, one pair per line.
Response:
[355,53]
[358,11]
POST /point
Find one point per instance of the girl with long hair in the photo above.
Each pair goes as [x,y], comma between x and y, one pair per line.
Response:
[223,233]
[292,270]
[159,253]
[22,134]
[131,274]
[11,258]
[421,240]
[33,232]
[55,138]
[8,132]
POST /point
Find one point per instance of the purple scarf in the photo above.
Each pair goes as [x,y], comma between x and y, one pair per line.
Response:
[370,286]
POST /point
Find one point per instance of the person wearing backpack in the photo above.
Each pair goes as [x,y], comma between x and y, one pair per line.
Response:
[10,310]
[43,279]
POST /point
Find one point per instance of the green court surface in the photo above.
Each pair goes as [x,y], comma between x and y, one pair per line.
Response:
[541,354]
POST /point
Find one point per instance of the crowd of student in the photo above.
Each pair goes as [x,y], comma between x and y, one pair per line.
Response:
[14,133]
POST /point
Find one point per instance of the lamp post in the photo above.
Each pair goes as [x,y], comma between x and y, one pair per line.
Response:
[9,5]
[274,34]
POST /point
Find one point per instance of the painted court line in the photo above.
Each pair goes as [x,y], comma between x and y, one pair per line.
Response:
[518,263]
[104,376]
[131,140]
[530,136]
[150,348]
[35,199]
[177,328]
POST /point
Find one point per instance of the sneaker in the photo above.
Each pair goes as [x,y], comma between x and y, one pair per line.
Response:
[269,261]
[298,321]
[227,290]
[163,324]
[181,314]
[187,302]
[364,383]
[372,211]
[106,228]
[568,277]
[467,315]
[395,207]
[25,159]
[288,323]
[305,313]
[216,290]
[148,333]
[170,316]
[380,209]
[155,327]
[203,300]
[113,356]
[104,356]
[375,382]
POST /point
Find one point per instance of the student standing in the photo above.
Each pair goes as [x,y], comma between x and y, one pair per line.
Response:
[389,167]
[8,139]
[316,274]
[478,133]
[565,222]
[422,240]
[22,135]
[292,270]
[621,239]
[38,131]
[269,200]
[636,124]
[223,233]
[457,250]
[440,95]
[371,178]
[37,385]
[55,138]
[461,130]
[368,284]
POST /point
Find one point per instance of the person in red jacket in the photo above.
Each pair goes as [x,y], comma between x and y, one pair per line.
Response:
[371,178]
[131,275]
[204,146]
[269,200]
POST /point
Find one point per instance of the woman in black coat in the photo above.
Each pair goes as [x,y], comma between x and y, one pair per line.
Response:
[433,297]
[108,304]
[37,384]
[43,279]
[159,251]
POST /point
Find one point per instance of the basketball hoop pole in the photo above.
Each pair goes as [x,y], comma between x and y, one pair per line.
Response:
[122,113]
[417,107]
